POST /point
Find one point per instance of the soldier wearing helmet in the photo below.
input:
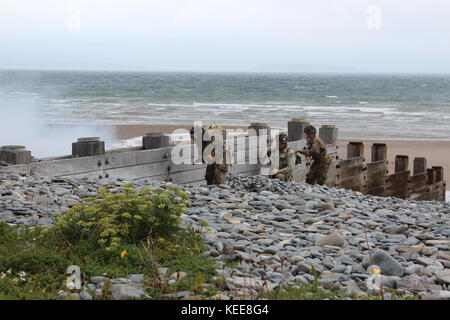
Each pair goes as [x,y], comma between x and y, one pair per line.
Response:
[287,159]
[317,151]
[217,159]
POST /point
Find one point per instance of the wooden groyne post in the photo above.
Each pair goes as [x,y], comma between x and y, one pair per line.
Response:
[15,155]
[153,162]
[155,140]
[296,128]
[373,177]
[87,147]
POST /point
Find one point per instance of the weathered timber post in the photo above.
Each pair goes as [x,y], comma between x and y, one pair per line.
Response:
[431,176]
[328,133]
[439,173]
[15,155]
[355,149]
[255,131]
[259,129]
[438,191]
[431,182]
[295,129]
[379,152]
[401,163]
[155,140]
[85,147]
[420,165]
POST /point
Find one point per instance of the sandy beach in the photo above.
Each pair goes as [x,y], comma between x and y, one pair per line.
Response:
[436,152]
[130,131]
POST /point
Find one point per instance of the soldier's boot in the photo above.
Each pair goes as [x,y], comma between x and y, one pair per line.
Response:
[220,177]
[323,175]
[209,175]
[281,176]
[311,177]
[209,180]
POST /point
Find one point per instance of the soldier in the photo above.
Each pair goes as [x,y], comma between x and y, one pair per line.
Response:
[200,139]
[321,161]
[286,160]
[216,172]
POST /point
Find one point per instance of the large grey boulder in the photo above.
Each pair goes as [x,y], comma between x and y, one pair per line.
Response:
[334,239]
[388,265]
[443,276]
[98,280]
[127,292]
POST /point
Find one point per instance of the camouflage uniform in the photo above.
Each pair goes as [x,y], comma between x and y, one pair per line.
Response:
[286,162]
[321,161]
[216,173]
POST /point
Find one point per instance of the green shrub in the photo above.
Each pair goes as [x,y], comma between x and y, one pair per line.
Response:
[30,268]
[143,225]
[34,260]
[94,262]
[112,220]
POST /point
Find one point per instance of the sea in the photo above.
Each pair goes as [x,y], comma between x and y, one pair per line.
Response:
[362,106]
[365,106]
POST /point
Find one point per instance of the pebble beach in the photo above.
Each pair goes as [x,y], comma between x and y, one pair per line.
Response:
[279,234]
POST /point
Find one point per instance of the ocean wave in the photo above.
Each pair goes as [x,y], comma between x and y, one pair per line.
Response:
[127,108]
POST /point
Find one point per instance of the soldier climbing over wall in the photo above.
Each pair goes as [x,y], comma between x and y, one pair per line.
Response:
[321,161]
[216,155]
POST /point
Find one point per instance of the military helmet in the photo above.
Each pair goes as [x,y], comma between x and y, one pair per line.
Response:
[282,138]
[310,129]
[212,130]
[214,126]
[192,132]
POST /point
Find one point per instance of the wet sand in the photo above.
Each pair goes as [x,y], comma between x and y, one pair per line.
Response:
[131,131]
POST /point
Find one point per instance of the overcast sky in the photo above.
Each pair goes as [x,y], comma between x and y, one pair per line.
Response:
[226,35]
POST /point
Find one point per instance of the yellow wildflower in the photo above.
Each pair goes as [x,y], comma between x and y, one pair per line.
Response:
[375,271]
[123,253]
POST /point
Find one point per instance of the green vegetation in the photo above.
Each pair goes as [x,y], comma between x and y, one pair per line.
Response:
[310,292]
[314,292]
[114,220]
[112,235]
[115,235]
[304,292]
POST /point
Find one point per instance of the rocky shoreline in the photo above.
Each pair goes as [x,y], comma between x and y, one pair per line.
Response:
[279,234]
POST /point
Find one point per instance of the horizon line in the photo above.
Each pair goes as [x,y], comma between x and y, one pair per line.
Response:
[227,71]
